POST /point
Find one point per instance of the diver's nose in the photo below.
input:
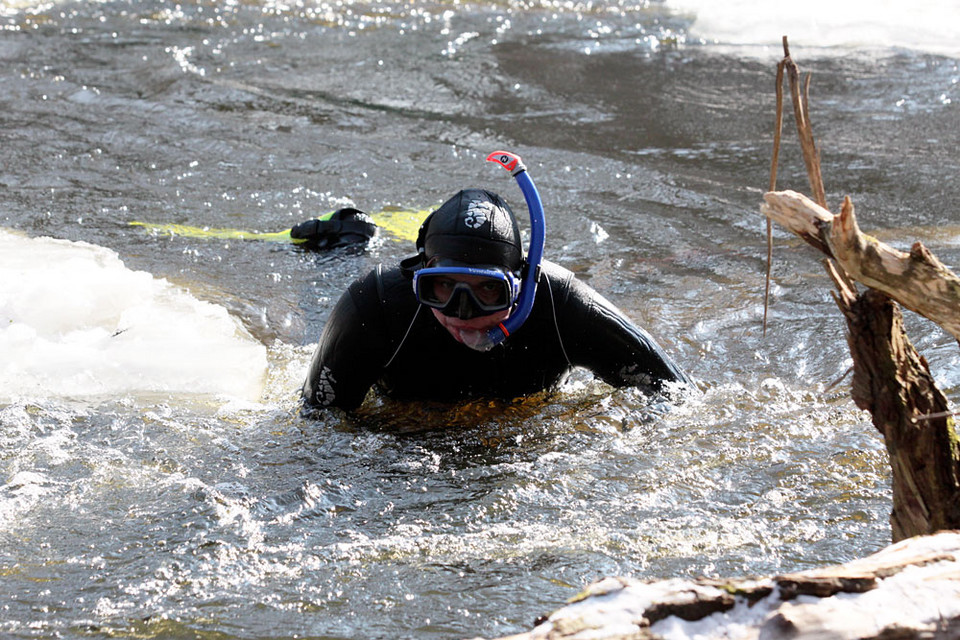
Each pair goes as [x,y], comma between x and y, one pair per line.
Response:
[465,309]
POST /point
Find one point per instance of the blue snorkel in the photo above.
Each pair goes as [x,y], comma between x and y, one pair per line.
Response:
[528,290]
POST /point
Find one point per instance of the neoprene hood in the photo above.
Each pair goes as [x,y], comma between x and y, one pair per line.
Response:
[475,227]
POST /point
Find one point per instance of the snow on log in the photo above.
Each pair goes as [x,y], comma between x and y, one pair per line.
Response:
[910,590]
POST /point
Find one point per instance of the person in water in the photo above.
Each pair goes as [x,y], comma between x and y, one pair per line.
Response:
[417,331]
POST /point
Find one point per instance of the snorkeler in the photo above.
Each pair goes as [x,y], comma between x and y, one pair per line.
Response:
[470,316]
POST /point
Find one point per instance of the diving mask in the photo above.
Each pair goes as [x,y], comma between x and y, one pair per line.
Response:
[464,291]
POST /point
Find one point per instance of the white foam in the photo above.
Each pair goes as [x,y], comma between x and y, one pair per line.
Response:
[923,25]
[76,323]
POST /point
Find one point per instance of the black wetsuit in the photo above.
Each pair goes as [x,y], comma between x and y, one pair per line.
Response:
[379,334]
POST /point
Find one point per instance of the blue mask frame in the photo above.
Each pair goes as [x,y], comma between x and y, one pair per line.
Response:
[464,302]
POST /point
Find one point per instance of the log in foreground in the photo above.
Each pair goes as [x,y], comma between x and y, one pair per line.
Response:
[917,280]
[908,590]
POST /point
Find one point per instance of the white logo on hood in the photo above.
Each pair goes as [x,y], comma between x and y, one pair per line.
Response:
[478,213]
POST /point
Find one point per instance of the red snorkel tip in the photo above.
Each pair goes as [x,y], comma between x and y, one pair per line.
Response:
[509,161]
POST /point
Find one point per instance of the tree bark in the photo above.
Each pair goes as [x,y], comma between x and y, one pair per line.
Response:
[893,382]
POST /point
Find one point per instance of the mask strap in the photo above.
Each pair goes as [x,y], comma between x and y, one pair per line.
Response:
[411,264]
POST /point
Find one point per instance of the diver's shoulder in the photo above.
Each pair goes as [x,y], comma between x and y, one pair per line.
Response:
[557,275]
[384,285]
[554,271]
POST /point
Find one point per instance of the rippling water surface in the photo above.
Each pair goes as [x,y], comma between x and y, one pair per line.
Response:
[176,502]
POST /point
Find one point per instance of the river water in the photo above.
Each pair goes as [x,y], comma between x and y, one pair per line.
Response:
[155,478]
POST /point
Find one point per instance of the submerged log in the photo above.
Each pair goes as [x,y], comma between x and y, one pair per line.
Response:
[910,590]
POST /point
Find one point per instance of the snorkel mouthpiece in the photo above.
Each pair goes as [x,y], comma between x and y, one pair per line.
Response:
[528,290]
[483,340]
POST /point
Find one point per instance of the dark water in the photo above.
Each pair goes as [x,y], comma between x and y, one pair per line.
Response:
[177,517]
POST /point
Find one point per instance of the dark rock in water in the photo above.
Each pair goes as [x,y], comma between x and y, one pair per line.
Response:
[909,590]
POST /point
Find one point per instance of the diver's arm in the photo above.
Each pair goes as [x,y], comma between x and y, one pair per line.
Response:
[348,357]
[599,337]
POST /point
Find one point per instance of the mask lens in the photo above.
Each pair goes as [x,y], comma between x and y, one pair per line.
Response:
[489,290]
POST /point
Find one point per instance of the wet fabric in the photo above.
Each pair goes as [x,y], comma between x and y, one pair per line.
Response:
[378,334]
[475,226]
[341,228]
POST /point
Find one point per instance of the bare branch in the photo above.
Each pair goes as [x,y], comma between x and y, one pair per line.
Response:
[917,280]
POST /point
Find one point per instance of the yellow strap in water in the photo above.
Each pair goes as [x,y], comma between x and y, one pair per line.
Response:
[401,224]
[187,231]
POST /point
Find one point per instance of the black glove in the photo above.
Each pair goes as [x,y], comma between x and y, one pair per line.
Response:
[344,227]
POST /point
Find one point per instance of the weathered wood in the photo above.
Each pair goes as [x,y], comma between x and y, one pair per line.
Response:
[893,382]
[910,590]
[801,113]
[808,147]
[774,163]
[917,280]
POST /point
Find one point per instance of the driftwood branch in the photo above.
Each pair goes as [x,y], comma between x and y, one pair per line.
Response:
[917,280]
[808,147]
[890,379]
[893,382]
[801,112]
[774,163]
